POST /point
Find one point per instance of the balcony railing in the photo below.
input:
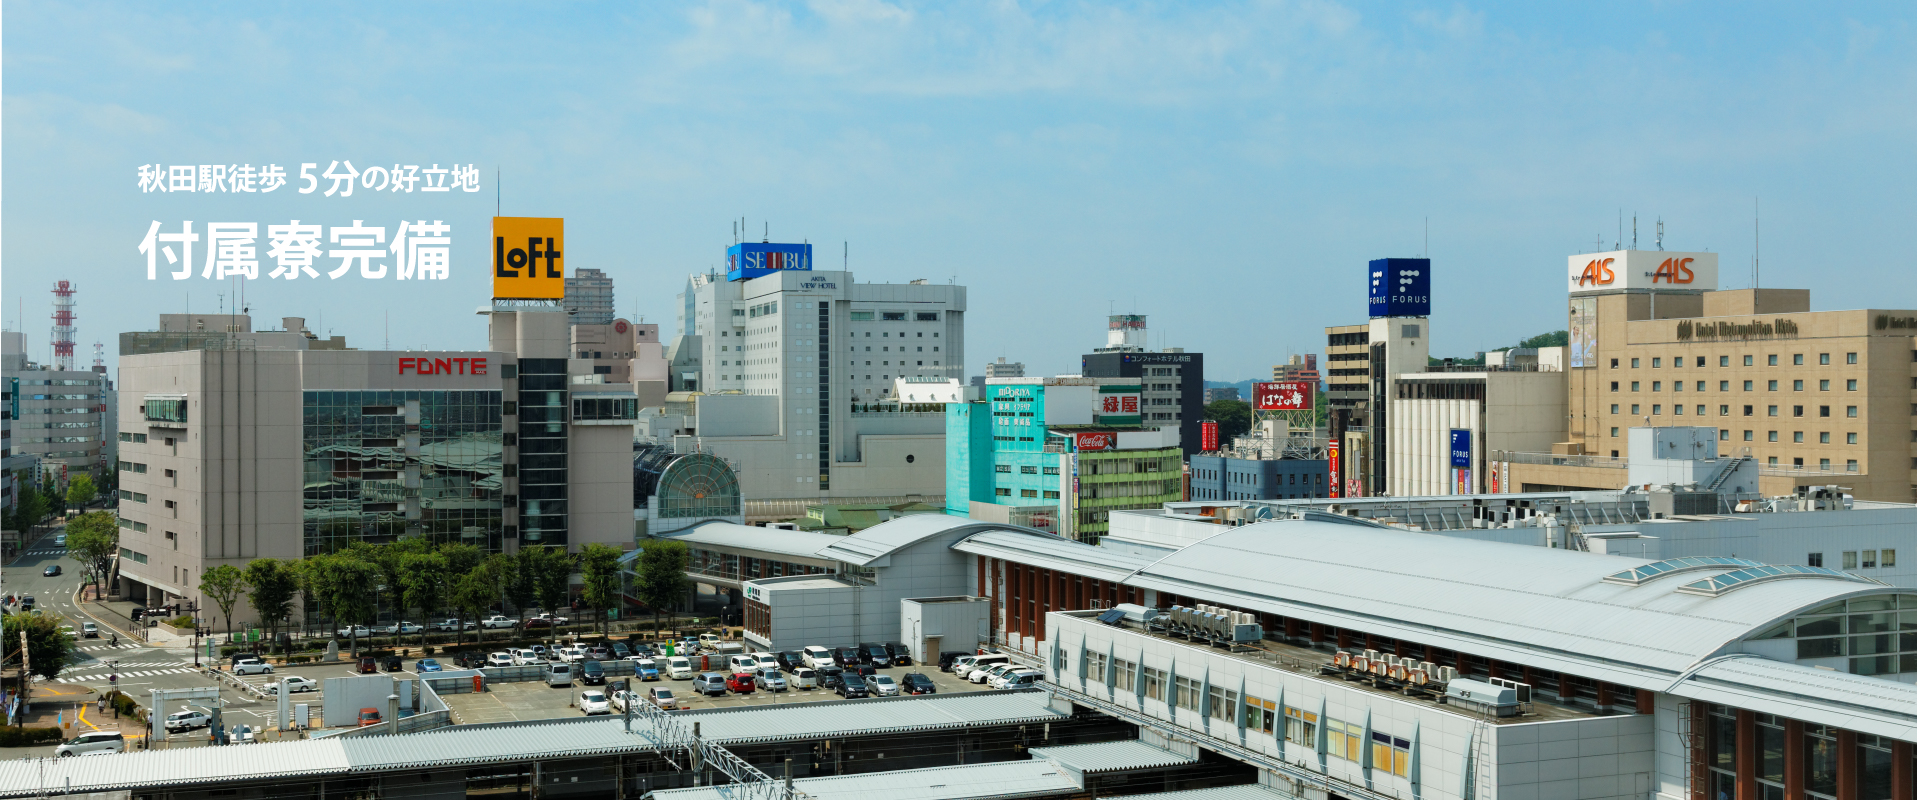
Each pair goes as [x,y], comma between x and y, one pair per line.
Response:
[1558,460]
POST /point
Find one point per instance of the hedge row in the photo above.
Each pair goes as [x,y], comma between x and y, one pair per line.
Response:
[28,737]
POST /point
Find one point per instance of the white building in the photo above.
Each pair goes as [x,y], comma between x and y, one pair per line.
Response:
[1520,407]
[806,419]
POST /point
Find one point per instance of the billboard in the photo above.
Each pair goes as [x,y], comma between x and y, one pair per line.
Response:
[1581,331]
[1461,448]
[1641,269]
[1210,436]
[1118,404]
[527,259]
[752,260]
[1334,467]
[1284,395]
[1398,287]
[1092,442]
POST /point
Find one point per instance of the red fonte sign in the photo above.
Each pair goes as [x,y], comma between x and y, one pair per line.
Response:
[1087,442]
[442,366]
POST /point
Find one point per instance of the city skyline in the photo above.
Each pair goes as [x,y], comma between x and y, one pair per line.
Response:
[1069,159]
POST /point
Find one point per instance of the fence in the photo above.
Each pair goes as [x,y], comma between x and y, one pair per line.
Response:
[538,672]
[1558,460]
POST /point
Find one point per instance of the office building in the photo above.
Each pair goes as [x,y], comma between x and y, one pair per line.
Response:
[1300,367]
[1171,380]
[1219,393]
[1815,397]
[589,297]
[1059,454]
[622,353]
[282,451]
[1447,420]
[1000,368]
[807,421]
[1226,477]
[1362,362]
[61,413]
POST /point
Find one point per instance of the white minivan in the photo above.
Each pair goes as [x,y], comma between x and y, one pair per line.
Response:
[679,668]
[560,673]
[980,663]
[817,656]
[765,661]
[1021,679]
[742,665]
[92,742]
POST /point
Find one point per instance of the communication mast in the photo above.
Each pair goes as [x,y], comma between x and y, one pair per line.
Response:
[99,357]
[63,325]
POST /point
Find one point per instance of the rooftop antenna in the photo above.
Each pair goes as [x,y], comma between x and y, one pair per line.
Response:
[763,231]
[1424,237]
[383,330]
[1618,228]
[1658,233]
[497,190]
[844,255]
[1634,231]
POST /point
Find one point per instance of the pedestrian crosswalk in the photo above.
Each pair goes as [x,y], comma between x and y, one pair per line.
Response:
[106,646]
[92,674]
[47,551]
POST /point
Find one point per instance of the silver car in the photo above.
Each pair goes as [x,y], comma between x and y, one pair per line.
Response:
[91,742]
[882,686]
[770,679]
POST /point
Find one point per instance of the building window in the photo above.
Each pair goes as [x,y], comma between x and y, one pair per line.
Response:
[1154,683]
[1258,715]
[1344,740]
[1771,751]
[1187,693]
[1724,430]
[1634,363]
[1822,359]
[1798,386]
[1798,437]
[1701,411]
[1614,386]
[1772,436]
[1815,559]
[1634,386]
[1748,386]
[1725,411]
[1850,386]
[999,492]
[1222,702]
[1027,493]
[1614,363]
[1748,436]
[1301,726]
[1049,494]
[1822,385]
[1748,361]
[1701,386]
[1724,361]
[1614,408]
[1748,411]
[1851,438]
[1094,666]
[1851,412]
[1851,358]
[1391,753]
[1003,468]
[1772,362]
[1124,674]
[1772,411]
[1724,386]
[1635,408]
[1823,437]
[1822,411]
[1798,359]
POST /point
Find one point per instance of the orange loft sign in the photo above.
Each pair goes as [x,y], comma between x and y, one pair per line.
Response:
[1641,269]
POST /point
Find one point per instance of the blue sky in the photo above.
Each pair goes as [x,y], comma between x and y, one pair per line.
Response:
[1226,169]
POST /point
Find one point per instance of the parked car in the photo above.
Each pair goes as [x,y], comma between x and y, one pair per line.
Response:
[846,656]
[831,677]
[620,699]
[662,698]
[594,701]
[791,660]
[817,656]
[427,665]
[252,666]
[805,678]
[770,679]
[600,652]
[357,631]
[964,667]
[877,655]
[470,659]
[765,661]
[592,673]
[403,628]
[948,657]
[982,676]
[51,570]
[860,671]
[497,621]
[903,657]
[526,656]
[883,686]
[368,716]
[500,659]
[367,665]
[621,650]
[917,683]
[574,652]
[393,663]
[444,626]
[1022,679]
[742,683]
[645,668]
[712,684]
[540,650]
[710,641]
[187,720]
[294,683]
[679,668]
[850,689]
[560,673]
[60,540]
[91,742]
[742,665]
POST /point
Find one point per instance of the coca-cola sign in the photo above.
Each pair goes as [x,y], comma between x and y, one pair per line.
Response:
[1090,442]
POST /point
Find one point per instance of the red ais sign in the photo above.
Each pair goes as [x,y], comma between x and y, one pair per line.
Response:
[1285,396]
[442,366]
[1210,436]
[1090,442]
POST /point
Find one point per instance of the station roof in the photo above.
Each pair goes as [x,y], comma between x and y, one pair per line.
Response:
[507,742]
[1244,791]
[860,548]
[1855,702]
[1001,779]
[777,541]
[1054,552]
[1128,754]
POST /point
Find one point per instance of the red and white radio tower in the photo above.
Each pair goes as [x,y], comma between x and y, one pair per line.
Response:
[63,325]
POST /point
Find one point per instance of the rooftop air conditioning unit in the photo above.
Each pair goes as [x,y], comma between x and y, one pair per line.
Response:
[1371,655]
[1484,698]
[1137,614]
[1446,674]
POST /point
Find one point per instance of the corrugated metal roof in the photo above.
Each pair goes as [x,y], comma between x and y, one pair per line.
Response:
[878,715]
[866,546]
[749,537]
[1002,779]
[1111,756]
[1532,605]
[1054,552]
[1855,702]
[471,744]
[1245,791]
[162,768]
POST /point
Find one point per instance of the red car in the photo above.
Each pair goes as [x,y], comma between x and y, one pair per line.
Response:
[367,665]
[743,684]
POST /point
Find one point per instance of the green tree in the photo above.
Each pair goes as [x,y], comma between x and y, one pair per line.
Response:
[47,647]
[345,585]
[80,491]
[387,558]
[474,591]
[273,583]
[224,585]
[424,575]
[517,583]
[550,569]
[93,539]
[32,508]
[600,579]
[1232,417]
[661,575]
[461,559]
[1549,339]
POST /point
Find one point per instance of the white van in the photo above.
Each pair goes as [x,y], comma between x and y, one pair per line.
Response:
[980,664]
[742,665]
[765,661]
[679,668]
[962,664]
[560,673]
[1024,679]
[817,656]
[92,742]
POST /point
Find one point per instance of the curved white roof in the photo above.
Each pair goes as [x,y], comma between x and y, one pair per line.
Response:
[1532,605]
[778,541]
[860,548]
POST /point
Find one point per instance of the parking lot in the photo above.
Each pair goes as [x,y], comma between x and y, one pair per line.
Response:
[529,700]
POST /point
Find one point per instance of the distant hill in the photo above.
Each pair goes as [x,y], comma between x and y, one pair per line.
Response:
[1247,386]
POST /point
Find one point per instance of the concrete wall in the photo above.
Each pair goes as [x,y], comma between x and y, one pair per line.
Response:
[930,626]
[1588,759]
[345,697]
[600,491]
